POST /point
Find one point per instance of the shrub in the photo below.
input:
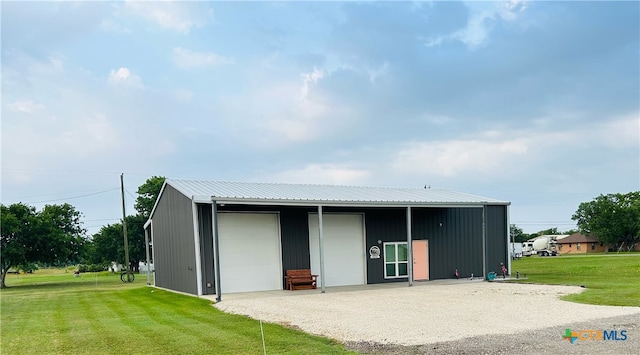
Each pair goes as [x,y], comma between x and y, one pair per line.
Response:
[91,268]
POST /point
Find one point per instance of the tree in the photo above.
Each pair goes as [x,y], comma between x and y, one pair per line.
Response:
[53,235]
[148,194]
[517,235]
[135,236]
[108,243]
[19,224]
[550,231]
[612,219]
[63,236]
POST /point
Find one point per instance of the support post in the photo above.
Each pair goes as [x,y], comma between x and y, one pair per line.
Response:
[484,243]
[409,247]
[124,228]
[196,243]
[321,247]
[146,244]
[216,249]
[511,252]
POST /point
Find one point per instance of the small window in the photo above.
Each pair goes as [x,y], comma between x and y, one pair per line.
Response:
[560,246]
[593,246]
[569,245]
[395,260]
[578,246]
[601,244]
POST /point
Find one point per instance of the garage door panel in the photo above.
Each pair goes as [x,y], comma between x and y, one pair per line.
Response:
[249,252]
[343,237]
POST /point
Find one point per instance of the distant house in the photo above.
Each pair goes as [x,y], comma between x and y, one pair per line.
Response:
[580,244]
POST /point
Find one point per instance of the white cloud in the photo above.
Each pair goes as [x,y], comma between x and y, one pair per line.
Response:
[334,174]
[620,133]
[297,125]
[309,78]
[478,28]
[183,95]
[110,25]
[26,106]
[185,59]
[510,9]
[89,136]
[451,158]
[177,16]
[124,77]
[379,71]
[297,120]
[46,143]
[284,112]
[476,32]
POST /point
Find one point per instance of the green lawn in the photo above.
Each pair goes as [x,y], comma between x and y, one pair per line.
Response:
[54,312]
[610,279]
[51,311]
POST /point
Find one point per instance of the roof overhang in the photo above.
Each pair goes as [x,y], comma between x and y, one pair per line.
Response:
[334,203]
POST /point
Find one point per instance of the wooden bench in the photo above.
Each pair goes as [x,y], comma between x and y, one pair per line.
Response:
[298,279]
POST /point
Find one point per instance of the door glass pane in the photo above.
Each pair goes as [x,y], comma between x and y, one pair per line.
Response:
[390,252]
[402,252]
[402,269]
[390,270]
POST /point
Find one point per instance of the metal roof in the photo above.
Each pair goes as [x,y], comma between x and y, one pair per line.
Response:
[304,194]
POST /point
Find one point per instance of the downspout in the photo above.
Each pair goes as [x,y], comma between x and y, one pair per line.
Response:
[216,249]
[321,247]
[409,248]
[484,243]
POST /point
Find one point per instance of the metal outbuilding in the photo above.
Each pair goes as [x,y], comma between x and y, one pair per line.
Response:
[213,237]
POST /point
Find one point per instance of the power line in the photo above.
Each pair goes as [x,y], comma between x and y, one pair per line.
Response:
[70,171]
[50,194]
[74,197]
[101,219]
[130,194]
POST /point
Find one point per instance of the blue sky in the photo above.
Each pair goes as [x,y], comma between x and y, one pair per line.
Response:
[537,103]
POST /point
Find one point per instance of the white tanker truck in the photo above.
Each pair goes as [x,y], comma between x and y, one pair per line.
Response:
[545,246]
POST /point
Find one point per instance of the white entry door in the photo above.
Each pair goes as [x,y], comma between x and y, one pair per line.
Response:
[249,252]
[344,260]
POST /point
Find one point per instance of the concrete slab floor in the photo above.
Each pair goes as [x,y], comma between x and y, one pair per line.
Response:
[338,289]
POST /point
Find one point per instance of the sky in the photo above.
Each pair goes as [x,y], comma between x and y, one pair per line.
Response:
[536,103]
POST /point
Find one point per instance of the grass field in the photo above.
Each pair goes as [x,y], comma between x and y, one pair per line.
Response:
[612,279]
[53,312]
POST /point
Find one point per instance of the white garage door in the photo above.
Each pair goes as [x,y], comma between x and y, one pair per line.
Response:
[343,238]
[249,252]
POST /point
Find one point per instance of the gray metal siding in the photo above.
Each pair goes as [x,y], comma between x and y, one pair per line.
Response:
[294,230]
[205,232]
[173,242]
[386,225]
[455,240]
[497,247]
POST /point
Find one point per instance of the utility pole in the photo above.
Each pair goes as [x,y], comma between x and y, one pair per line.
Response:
[124,231]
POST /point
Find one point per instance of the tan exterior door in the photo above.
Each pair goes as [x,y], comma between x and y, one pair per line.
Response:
[420,259]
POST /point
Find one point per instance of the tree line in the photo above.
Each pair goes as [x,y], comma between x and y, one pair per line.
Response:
[613,219]
[54,236]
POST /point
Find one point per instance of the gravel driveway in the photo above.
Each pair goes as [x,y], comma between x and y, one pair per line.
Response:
[434,317]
